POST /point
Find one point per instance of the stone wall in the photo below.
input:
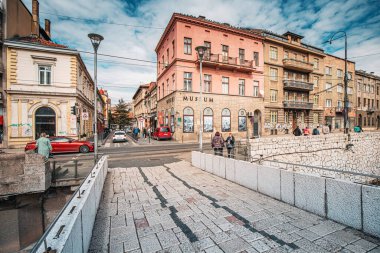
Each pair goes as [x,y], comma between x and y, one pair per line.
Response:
[23,173]
[360,154]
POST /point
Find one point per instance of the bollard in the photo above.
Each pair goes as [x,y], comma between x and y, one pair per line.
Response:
[75,168]
[53,173]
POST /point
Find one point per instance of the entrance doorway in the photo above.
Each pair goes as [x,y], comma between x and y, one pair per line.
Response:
[256,123]
[45,122]
[360,120]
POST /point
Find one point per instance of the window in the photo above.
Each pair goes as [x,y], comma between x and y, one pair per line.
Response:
[377,104]
[328,71]
[187,46]
[241,55]
[316,81]
[359,102]
[339,73]
[286,117]
[172,121]
[273,95]
[241,87]
[255,88]
[173,78]
[226,120]
[188,120]
[44,74]
[187,81]
[167,55]
[302,117]
[256,58]
[364,102]
[349,91]
[328,103]
[303,97]
[207,83]
[295,56]
[328,87]
[208,120]
[286,55]
[286,75]
[225,53]
[365,121]
[303,78]
[208,50]
[242,121]
[273,116]
[303,58]
[315,118]
[349,75]
[273,53]
[286,95]
[167,86]
[173,47]
[225,84]
[316,63]
[378,90]
[339,88]
[273,74]
[163,62]
[364,87]
[340,104]
[163,90]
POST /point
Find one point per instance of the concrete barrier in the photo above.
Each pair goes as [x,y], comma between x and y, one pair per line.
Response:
[196,158]
[269,181]
[287,187]
[310,193]
[208,162]
[203,161]
[219,166]
[246,174]
[72,229]
[344,202]
[371,210]
[230,169]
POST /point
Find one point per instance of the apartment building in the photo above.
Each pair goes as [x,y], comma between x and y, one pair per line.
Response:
[140,110]
[332,96]
[368,96]
[233,79]
[151,105]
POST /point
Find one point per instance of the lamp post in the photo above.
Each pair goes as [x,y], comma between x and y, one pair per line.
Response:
[201,51]
[345,81]
[95,40]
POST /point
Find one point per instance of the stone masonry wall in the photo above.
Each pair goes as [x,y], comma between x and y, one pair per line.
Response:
[360,154]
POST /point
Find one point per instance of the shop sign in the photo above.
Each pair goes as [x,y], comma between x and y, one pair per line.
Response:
[195,99]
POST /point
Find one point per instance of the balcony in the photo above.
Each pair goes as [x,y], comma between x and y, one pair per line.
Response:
[339,109]
[370,110]
[231,63]
[298,105]
[298,65]
[298,85]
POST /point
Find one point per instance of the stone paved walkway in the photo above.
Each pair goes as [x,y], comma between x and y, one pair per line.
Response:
[179,208]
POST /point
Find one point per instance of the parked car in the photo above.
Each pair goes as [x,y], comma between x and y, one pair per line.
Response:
[62,144]
[119,136]
[162,133]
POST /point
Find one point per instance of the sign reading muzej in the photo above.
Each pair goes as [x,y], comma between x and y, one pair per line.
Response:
[195,99]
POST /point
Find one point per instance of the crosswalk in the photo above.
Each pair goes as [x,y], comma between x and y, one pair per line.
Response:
[116,145]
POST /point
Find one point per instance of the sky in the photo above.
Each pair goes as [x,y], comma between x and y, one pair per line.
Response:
[132,28]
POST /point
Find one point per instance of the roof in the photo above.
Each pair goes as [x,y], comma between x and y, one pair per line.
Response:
[38,41]
[366,74]
[293,35]
[143,86]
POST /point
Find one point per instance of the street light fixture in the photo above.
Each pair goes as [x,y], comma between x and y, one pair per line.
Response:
[201,51]
[345,80]
[95,40]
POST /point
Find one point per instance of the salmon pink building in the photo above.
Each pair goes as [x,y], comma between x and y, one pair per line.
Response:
[233,79]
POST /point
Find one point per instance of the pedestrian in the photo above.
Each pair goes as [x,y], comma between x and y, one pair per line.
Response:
[306,131]
[316,131]
[358,129]
[217,144]
[297,131]
[230,143]
[43,145]
[144,133]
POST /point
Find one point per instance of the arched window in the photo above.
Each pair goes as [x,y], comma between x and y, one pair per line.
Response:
[207,120]
[45,121]
[188,120]
[226,120]
[172,123]
[242,120]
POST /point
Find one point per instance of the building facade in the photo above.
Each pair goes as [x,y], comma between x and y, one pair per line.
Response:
[233,80]
[368,97]
[140,109]
[151,105]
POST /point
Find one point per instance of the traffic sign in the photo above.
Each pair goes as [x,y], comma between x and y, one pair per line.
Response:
[85,116]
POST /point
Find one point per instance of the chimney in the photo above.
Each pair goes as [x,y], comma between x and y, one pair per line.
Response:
[372,73]
[47,27]
[202,17]
[35,16]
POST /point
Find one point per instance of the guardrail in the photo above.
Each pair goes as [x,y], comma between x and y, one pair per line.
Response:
[71,230]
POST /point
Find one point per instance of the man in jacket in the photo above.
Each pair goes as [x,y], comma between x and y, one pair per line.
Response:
[230,143]
[297,131]
[217,144]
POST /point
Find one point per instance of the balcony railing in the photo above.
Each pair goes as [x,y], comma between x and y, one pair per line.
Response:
[298,65]
[298,85]
[228,62]
[298,105]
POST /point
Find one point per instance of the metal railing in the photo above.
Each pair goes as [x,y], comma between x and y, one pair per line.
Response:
[298,105]
[297,63]
[298,85]
[218,58]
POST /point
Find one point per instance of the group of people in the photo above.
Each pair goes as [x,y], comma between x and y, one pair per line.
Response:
[146,132]
[306,131]
[218,144]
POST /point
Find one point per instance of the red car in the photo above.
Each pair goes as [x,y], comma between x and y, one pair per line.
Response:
[61,144]
[162,133]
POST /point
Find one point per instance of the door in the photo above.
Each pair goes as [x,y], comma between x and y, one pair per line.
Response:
[256,123]
[45,122]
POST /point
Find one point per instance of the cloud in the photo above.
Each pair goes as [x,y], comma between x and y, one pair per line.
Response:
[316,20]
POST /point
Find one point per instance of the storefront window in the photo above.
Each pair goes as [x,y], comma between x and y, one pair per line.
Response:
[207,120]
[242,120]
[172,123]
[166,118]
[226,120]
[188,120]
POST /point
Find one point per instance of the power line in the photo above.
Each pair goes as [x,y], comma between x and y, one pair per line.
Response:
[102,22]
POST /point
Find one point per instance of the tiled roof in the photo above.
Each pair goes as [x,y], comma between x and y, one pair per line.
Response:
[40,41]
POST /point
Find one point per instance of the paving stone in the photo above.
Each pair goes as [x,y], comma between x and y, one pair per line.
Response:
[308,235]
[116,248]
[149,244]
[252,237]
[132,243]
[260,245]
[364,244]
[187,247]
[174,249]
[342,237]
[326,227]
[167,239]
[327,245]
[203,244]
[235,245]
[309,246]
[375,250]
[118,221]
[214,249]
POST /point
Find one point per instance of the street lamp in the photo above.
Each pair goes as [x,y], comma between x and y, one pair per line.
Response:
[201,51]
[345,80]
[95,40]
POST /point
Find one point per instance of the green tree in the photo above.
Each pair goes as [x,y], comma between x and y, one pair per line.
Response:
[120,116]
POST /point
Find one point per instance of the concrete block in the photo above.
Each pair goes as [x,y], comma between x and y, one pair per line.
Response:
[215,164]
[287,187]
[203,161]
[246,174]
[343,202]
[208,162]
[230,169]
[268,181]
[219,168]
[310,193]
[196,158]
[371,210]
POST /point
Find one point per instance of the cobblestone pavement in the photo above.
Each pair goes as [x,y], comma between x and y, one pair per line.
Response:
[179,208]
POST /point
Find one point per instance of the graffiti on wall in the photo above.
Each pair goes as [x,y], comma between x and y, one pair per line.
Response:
[26,129]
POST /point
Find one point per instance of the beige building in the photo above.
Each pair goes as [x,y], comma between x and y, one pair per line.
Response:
[151,105]
[140,109]
[368,96]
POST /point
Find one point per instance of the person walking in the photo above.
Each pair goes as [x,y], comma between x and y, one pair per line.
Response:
[43,146]
[297,131]
[230,143]
[144,133]
[306,131]
[217,144]
[316,131]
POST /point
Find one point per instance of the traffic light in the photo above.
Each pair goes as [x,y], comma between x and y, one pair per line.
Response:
[74,110]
